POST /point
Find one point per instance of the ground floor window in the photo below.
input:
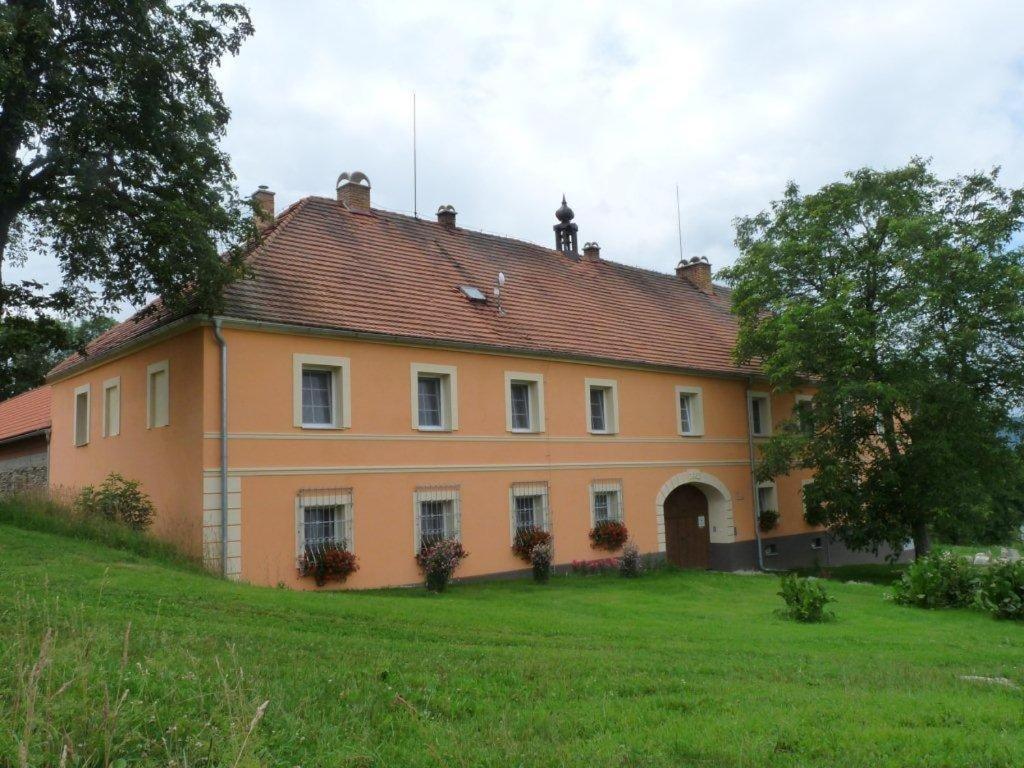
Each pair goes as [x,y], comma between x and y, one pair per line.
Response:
[529,507]
[437,514]
[324,519]
[605,501]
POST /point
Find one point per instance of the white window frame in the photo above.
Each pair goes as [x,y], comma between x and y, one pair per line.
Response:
[796,404]
[536,384]
[611,405]
[151,396]
[696,395]
[606,486]
[449,376]
[436,493]
[341,389]
[85,389]
[111,427]
[526,489]
[773,496]
[766,415]
[325,497]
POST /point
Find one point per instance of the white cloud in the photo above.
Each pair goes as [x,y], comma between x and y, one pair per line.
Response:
[613,103]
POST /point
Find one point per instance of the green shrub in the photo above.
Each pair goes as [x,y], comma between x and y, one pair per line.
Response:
[630,564]
[528,538]
[937,580]
[805,598]
[1000,590]
[117,499]
[540,558]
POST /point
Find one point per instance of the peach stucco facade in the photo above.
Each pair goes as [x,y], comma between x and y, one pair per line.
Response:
[383,458]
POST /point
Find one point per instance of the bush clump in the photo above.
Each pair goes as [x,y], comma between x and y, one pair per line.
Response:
[609,535]
[540,558]
[937,580]
[768,519]
[331,562]
[117,499]
[806,599]
[630,564]
[589,567]
[528,538]
[438,561]
[1000,590]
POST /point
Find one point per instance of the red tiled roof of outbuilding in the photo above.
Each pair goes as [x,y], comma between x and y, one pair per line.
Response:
[25,414]
[381,273]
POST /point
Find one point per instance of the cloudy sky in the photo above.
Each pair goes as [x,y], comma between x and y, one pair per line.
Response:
[615,103]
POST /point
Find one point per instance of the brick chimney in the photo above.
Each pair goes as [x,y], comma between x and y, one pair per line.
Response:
[354,190]
[446,216]
[591,251]
[697,272]
[264,200]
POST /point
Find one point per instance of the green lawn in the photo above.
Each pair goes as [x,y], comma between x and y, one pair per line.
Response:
[674,669]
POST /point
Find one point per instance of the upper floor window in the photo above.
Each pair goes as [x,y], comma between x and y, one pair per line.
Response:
[602,406]
[324,520]
[690,410]
[760,413]
[803,410]
[321,392]
[112,407]
[434,397]
[437,514]
[605,501]
[524,402]
[157,395]
[82,398]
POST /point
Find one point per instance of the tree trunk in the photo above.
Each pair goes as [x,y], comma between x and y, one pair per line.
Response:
[922,540]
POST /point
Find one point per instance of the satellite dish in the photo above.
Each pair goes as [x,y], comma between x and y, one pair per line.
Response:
[501,278]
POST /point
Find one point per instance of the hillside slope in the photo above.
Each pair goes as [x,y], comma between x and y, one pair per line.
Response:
[671,669]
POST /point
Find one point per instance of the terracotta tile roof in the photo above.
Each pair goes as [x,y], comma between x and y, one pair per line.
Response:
[25,413]
[385,273]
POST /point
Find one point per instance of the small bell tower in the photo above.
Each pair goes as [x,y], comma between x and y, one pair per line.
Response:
[565,230]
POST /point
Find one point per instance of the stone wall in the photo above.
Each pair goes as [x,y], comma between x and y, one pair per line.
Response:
[29,472]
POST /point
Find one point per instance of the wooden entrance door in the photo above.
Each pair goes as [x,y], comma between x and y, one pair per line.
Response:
[687,528]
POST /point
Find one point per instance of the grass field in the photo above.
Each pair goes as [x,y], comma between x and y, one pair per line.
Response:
[674,669]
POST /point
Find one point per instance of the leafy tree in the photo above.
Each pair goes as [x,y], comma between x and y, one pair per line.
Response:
[110,118]
[900,296]
[29,347]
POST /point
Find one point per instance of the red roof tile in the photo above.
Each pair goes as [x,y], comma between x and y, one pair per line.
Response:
[25,413]
[384,273]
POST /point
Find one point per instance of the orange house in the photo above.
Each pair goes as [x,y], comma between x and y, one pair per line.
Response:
[369,386]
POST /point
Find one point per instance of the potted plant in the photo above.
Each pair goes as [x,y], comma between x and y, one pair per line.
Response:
[768,519]
[528,538]
[438,561]
[609,535]
[540,558]
[331,562]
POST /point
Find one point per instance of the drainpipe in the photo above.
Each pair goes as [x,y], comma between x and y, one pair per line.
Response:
[753,483]
[223,446]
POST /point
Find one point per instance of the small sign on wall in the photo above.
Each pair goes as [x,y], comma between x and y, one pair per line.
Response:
[701,521]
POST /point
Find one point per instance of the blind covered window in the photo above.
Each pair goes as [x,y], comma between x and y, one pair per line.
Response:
[529,507]
[317,396]
[82,417]
[766,498]
[324,519]
[429,399]
[606,500]
[437,514]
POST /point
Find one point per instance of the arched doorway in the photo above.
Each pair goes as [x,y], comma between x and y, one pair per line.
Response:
[687,528]
[717,505]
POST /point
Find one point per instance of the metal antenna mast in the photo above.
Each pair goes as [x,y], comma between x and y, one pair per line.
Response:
[679,224]
[415,201]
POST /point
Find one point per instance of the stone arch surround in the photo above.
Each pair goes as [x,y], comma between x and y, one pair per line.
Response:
[720,513]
